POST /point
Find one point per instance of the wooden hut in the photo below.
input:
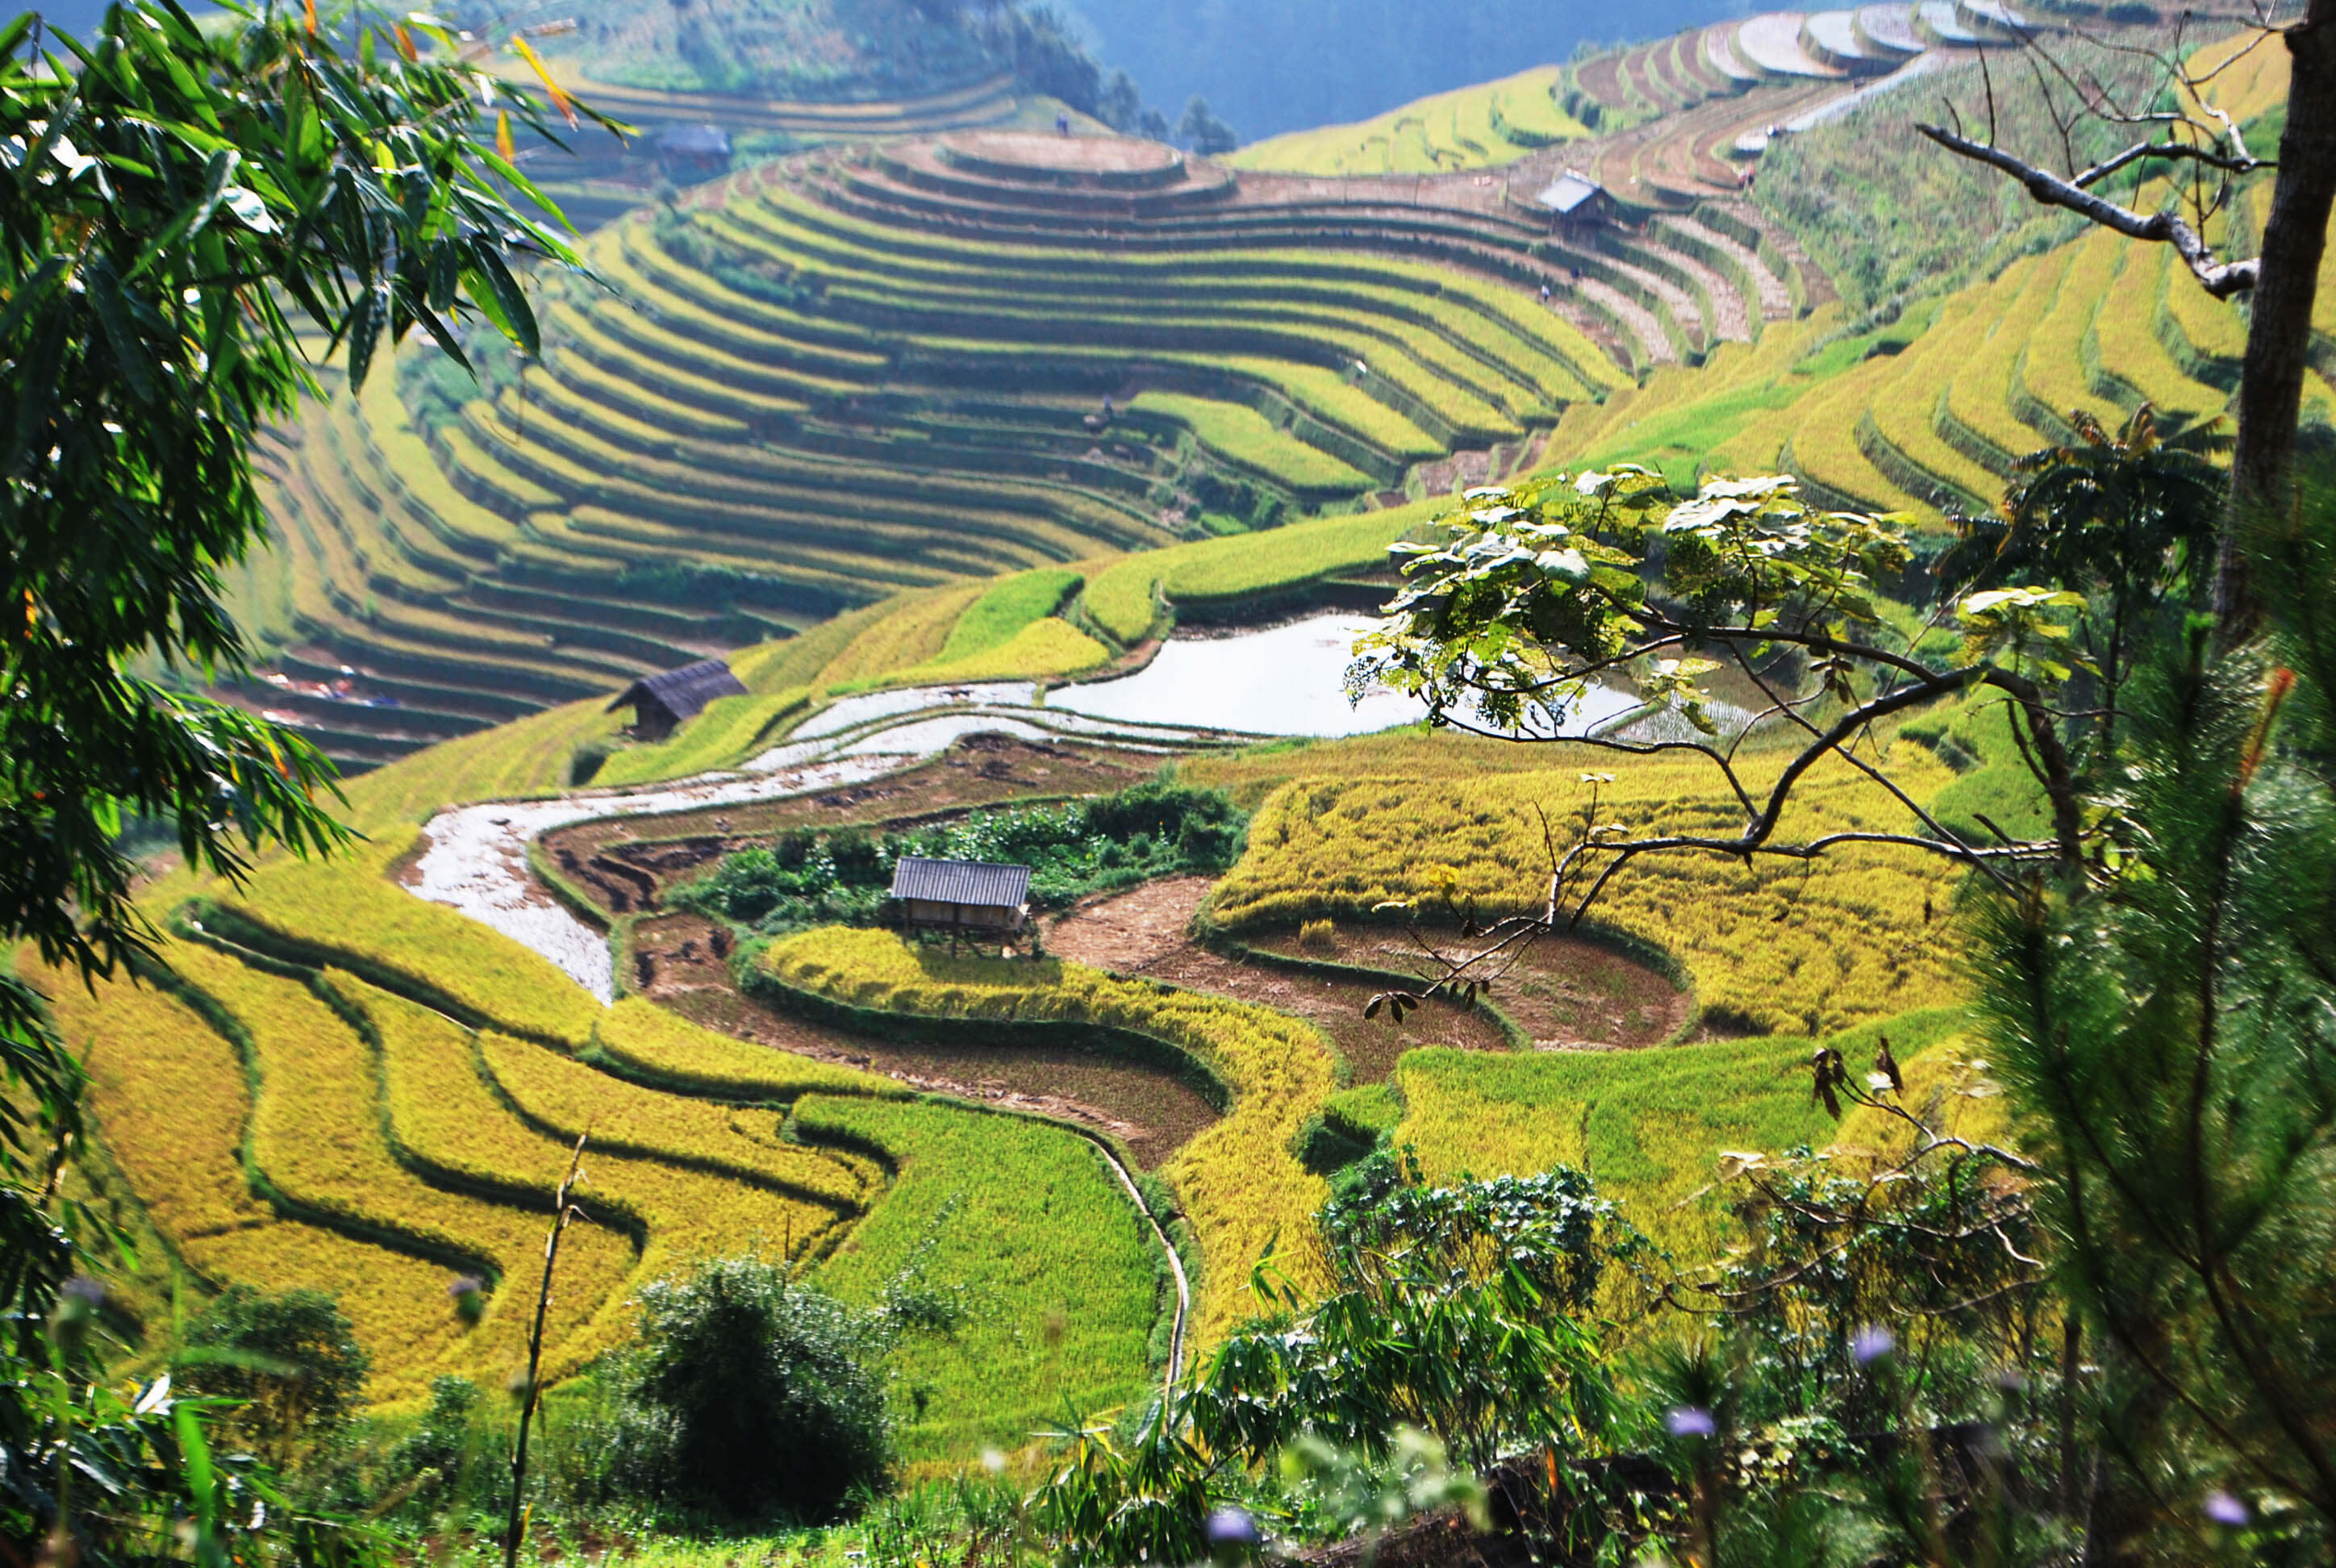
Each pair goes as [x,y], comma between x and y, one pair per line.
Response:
[975,898]
[661,703]
[690,153]
[1577,201]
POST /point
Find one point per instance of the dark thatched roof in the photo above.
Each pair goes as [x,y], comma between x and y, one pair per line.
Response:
[983,883]
[685,692]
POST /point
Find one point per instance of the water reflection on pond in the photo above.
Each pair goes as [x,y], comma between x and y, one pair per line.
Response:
[1287,680]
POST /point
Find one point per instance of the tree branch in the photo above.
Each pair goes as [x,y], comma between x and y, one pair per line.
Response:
[2219,277]
[2234,164]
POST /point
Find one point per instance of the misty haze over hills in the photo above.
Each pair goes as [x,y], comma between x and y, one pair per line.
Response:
[1268,67]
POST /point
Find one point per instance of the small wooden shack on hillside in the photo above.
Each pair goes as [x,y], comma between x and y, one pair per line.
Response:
[690,153]
[974,899]
[661,703]
[1575,200]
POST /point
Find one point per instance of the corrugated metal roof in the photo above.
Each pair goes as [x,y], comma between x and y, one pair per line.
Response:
[695,140]
[982,883]
[1569,190]
[684,691]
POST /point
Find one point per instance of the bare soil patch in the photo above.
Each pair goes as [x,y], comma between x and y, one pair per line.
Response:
[1566,994]
[680,961]
[1040,149]
[1144,932]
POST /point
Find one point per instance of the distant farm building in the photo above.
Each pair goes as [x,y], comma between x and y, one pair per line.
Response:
[964,897]
[1573,197]
[661,703]
[689,153]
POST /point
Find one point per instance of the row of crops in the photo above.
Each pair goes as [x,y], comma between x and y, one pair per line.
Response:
[1930,414]
[868,372]
[282,1121]
[1763,948]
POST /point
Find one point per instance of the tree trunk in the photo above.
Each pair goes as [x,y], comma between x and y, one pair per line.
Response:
[2279,335]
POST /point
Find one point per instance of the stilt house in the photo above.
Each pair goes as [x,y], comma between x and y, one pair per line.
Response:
[975,898]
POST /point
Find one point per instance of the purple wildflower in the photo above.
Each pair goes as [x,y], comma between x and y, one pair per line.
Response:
[2224,1509]
[1871,1343]
[1690,1421]
[1231,1528]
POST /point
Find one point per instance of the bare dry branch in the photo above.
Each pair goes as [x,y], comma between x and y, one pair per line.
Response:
[2219,277]
[2225,162]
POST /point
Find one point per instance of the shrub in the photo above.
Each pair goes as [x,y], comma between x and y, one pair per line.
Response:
[803,877]
[293,1360]
[1318,936]
[585,763]
[438,1456]
[754,1397]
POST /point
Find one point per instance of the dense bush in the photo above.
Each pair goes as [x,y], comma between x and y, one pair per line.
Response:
[752,1396]
[293,1360]
[807,877]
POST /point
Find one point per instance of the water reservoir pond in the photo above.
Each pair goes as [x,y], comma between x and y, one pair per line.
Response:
[1287,680]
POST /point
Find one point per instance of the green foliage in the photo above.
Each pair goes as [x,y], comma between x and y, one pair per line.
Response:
[1203,132]
[291,1361]
[1048,1279]
[129,1470]
[174,191]
[2126,517]
[445,1448]
[1007,609]
[808,876]
[2167,1023]
[1457,1312]
[754,1397]
[1456,1309]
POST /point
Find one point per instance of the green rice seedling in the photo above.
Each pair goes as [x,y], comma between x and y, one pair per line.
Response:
[1000,615]
[1244,436]
[1653,1124]
[1046,1275]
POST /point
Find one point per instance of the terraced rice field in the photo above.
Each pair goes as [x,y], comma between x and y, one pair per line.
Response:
[892,368]
[1930,419]
[1761,948]
[1477,127]
[300,1125]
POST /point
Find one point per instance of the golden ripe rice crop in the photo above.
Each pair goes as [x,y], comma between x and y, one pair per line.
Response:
[569,1099]
[446,1118]
[317,1138]
[1782,946]
[347,913]
[647,1042]
[1239,1182]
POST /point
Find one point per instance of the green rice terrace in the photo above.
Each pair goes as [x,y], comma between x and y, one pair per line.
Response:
[912,357]
[876,474]
[915,435]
